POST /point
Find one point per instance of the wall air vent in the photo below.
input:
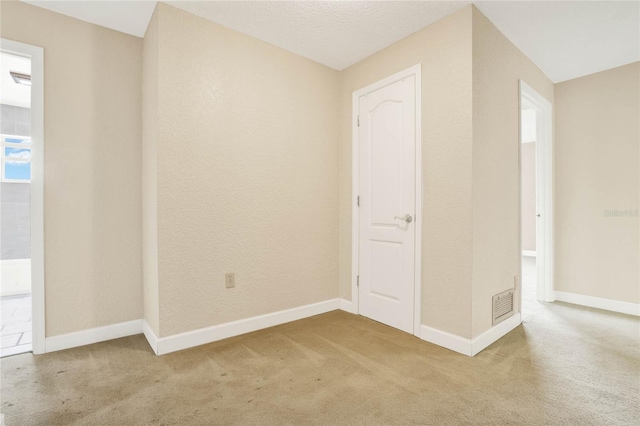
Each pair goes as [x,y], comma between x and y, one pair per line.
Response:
[502,306]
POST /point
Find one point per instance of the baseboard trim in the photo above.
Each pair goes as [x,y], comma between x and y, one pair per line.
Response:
[469,347]
[529,253]
[150,336]
[346,305]
[494,333]
[599,303]
[93,335]
[449,341]
[190,339]
[165,345]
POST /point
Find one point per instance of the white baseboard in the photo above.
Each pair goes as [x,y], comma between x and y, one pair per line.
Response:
[190,339]
[599,303]
[346,305]
[469,347]
[93,335]
[495,333]
[450,341]
[529,253]
[150,336]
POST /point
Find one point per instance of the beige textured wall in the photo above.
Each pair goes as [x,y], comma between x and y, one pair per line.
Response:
[151,301]
[597,163]
[247,158]
[497,67]
[444,50]
[92,206]
[528,197]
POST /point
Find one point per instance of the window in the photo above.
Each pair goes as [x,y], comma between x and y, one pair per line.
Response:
[16,158]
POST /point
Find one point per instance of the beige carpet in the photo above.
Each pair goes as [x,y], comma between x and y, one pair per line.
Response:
[565,366]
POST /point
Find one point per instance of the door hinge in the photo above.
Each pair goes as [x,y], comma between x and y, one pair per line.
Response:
[358,201]
[358,280]
[358,121]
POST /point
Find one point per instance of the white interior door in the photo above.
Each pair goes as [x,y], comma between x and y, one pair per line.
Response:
[387,190]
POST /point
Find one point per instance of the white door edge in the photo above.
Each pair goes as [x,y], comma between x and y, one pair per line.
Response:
[416,71]
[544,181]
[37,186]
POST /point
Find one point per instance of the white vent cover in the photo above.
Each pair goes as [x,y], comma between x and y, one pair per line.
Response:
[502,306]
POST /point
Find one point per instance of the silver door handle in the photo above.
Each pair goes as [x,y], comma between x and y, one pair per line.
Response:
[407,218]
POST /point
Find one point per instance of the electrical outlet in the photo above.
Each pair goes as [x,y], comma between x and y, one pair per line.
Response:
[230,280]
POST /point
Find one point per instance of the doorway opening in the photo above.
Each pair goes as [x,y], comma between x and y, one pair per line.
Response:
[387,188]
[21,190]
[536,219]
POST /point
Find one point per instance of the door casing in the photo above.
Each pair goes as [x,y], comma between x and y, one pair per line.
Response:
[355,221]
[544,191]
[36,54]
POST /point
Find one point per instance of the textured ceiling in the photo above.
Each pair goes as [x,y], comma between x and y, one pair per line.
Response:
[565,39]
[570,39]
[131,17]
[335,33]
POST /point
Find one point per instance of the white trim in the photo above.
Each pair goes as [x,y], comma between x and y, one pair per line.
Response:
[346,305]
[150,336]
[466,346]
[446,340]
[165,345]
[37,186]
[355,190]
[599,303]
[494,333]
[93,335]
[529,253]
[214,333]
[416,71]
[544,194]
[417,292]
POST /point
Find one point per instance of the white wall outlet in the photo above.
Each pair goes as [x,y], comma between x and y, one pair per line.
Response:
[230,280]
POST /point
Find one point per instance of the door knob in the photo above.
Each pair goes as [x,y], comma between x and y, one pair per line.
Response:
[407,218]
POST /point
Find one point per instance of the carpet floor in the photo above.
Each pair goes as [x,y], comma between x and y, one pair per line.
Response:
[565,365]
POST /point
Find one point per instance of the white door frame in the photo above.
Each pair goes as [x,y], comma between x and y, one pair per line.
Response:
[37,186]
[544,190]
[355,217]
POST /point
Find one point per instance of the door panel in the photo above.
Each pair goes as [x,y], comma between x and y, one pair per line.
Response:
[387,149]
[386,160]
[386,265]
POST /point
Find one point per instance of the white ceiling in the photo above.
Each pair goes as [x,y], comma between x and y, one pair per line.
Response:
[565,39]
[569,39]
[335,33]
[131,17]
[12,93]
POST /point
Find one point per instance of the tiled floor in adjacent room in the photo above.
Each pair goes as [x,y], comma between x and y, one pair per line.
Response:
[15,324]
